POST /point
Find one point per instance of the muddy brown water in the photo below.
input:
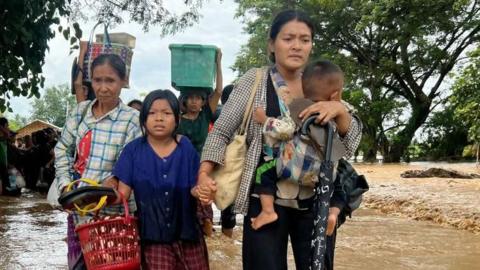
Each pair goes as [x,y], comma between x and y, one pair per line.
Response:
[409,224]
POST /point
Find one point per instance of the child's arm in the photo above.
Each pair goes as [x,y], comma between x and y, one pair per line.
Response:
[124,190]
[278,129]
[332,219]
[217,94]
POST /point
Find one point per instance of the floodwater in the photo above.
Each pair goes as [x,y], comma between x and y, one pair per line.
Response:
[404,224]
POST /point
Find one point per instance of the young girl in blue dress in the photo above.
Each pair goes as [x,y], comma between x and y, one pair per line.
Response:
[161,168]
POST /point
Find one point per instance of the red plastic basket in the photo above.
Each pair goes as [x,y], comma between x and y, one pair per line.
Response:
[111,243]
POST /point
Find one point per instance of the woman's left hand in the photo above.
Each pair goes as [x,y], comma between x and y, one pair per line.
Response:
[327,111]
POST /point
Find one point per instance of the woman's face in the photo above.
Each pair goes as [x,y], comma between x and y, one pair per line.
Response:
[292,46]
[106,84]
[160,120]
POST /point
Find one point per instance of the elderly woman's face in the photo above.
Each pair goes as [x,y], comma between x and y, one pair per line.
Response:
[106,84]
[292,46]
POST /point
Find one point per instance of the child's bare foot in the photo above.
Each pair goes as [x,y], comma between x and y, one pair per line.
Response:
[207,227]
[227,232]
[263,219]
[331,223]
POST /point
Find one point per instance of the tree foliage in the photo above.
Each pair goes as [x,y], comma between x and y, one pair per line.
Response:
[53,106]
[28,26]
[466,97]
[145,12]
[397,52]
[444,137]
[26,30]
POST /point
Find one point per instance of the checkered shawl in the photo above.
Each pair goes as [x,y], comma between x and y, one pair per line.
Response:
[230,120]
[110,134]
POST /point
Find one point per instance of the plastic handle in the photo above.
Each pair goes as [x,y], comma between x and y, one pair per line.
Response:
[93,207]
[311,121]
[106,36]
[125,205]
[90,40]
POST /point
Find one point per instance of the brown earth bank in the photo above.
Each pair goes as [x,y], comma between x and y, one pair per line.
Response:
[445,201]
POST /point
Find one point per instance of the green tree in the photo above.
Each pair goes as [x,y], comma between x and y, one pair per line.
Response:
[397,52]
[27,26]
[52,107]
[466,97]
[444,136]
[146,12]
[17,122]
[26,30]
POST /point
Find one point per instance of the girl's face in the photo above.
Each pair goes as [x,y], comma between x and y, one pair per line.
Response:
[106,84]
[292,46]
[194,103]
[160,120]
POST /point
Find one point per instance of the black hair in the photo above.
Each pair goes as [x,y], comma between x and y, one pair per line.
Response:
[147,104]
[226,93]
[114,61]
[3,121]
[318,69]
[134,101]
[285,17]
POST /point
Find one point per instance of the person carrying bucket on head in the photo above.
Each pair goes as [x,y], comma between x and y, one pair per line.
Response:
[197,112]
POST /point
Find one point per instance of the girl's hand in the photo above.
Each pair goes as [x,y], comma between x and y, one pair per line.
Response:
[206,188]
[327,111]
[111,182]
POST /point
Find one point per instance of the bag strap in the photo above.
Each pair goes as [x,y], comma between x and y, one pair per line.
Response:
[248,112]
[82,116]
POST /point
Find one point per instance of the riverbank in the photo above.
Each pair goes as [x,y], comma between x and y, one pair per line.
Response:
[445,201]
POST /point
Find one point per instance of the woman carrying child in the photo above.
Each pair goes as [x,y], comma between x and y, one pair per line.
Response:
[290,44]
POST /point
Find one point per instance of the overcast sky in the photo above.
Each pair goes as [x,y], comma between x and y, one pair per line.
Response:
[151,57]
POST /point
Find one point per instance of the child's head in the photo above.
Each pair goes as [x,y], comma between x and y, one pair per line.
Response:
[193,101]
[109,75]
[322,81]
[136,104]
[160,114]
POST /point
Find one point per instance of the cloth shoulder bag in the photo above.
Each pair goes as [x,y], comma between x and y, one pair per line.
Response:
[228,176]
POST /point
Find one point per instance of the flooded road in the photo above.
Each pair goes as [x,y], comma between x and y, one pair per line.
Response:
[31,234]
[404,224]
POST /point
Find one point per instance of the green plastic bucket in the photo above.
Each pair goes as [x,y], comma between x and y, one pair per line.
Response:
[192,66]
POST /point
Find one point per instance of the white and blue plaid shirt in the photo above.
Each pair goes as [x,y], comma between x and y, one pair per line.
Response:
[110,134]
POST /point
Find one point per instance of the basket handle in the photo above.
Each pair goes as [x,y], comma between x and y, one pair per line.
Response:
[93,207]
[125,205]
